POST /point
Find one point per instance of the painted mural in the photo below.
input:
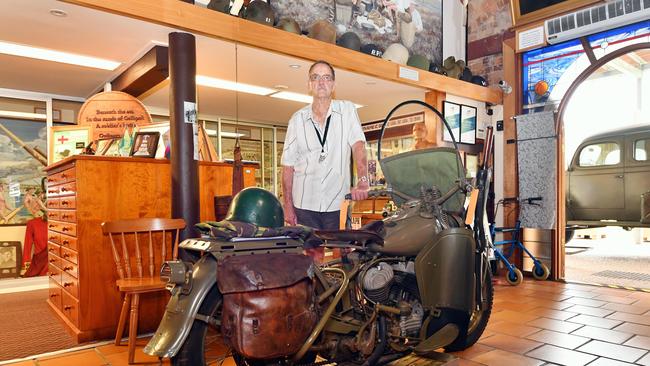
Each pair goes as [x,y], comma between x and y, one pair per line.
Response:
[416,24]
[22,147]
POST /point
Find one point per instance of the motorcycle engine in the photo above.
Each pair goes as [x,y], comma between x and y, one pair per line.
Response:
[377,282]
[394,285]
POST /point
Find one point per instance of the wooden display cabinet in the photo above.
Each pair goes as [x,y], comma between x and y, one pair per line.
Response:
[83,192]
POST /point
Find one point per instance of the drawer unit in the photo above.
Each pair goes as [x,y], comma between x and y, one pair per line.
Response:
[52,215]
[54,249]
[69,255]
[67,202]
[70,268]
[70,284]
[70,307]
[54,237]
[84,191]
[55,261]
[52,202]
[64,176]
[68,241]
[68,216]
[55,273]
[55,294]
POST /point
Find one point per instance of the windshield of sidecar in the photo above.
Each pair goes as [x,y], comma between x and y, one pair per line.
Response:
[439,166]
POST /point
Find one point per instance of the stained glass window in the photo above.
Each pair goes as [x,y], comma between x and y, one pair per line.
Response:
[548,72]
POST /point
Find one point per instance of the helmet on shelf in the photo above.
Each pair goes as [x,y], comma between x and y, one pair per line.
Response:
[260,12]
[323,30]
[350,40]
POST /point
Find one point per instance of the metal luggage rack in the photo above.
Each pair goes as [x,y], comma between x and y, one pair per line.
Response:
[243,246]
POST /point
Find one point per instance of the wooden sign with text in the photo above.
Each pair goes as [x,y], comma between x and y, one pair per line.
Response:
[110,113]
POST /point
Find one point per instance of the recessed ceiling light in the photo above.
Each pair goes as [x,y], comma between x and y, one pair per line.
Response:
[15,49]
[294,66]
[302,98]
[280,86]
[58,13]
[24,115]
[231,85]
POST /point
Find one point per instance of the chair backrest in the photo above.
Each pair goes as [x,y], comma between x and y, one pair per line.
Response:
[127,236]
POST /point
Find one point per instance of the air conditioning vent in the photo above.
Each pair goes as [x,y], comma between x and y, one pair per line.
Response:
[597,18]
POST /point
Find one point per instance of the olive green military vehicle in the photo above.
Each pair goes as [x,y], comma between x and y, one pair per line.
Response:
[608,181]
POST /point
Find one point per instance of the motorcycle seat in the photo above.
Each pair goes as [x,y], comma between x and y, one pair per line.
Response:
[361,237]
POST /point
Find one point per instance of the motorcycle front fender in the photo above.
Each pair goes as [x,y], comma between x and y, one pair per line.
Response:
[181,310]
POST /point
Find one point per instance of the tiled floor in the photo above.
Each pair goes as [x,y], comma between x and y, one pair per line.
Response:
[535,323]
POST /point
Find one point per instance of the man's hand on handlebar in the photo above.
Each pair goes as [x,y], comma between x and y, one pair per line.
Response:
[360,192]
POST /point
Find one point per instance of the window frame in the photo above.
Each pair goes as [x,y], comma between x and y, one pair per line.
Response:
[600,166]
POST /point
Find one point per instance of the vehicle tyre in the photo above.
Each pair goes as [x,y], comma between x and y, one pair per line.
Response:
[568,234]
[193,351]
[477,321]
[515,276]
[541,272]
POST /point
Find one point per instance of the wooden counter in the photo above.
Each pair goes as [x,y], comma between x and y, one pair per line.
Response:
[83,192]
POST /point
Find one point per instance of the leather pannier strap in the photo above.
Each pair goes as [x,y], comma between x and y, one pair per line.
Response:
[262,271]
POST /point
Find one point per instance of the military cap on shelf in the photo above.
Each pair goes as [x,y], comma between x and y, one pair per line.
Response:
[350,40]
[323,30]
[397,53]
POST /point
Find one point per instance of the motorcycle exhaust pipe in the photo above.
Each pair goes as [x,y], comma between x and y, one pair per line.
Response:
[381,344]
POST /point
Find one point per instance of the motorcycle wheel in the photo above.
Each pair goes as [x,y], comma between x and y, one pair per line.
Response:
[203,344]
[477,321]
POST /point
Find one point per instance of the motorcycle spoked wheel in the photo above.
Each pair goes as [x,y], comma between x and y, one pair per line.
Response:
[204,344]
[477,321]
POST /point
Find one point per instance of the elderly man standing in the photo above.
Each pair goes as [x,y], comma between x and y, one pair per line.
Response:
[316,157]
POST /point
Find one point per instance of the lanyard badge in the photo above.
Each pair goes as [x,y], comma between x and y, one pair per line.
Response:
[323,139]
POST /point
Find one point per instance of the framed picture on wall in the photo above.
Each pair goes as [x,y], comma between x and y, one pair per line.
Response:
[467,124]
[451,111]
[10,259]
[66,141]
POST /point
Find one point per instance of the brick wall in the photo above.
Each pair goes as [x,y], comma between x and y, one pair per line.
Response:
[489,21]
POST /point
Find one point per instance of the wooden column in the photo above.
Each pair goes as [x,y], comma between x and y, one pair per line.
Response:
[433,123]
[184,167]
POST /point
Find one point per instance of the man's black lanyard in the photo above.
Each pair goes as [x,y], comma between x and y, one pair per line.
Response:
[323,139]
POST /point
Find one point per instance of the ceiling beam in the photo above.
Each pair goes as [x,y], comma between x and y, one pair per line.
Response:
[149,71]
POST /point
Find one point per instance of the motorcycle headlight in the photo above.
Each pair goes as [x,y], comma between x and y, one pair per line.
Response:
[173,273]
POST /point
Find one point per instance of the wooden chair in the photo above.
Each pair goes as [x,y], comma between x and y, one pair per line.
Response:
[159,237]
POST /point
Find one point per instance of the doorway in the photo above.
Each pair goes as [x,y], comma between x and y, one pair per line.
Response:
[605,119]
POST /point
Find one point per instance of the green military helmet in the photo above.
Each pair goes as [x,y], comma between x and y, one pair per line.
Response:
[257,206]
[419,61]
[289,25]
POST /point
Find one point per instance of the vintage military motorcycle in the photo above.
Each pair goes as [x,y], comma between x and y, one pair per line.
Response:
[415,282]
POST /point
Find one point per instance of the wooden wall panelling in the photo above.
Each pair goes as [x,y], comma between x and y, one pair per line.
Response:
[198,20]
[511,104]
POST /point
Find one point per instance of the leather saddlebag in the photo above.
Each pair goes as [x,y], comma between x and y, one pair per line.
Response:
[268,303]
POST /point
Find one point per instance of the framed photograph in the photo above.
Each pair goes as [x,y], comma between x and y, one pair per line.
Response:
[451,111]
[103,145]
[467,124]
[145,144]
[66,141]
[471,165]
[163,129]
[10,259]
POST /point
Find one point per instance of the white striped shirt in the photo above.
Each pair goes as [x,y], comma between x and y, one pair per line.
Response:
[321,186]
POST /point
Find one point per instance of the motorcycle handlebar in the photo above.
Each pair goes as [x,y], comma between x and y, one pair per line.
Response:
[373,193]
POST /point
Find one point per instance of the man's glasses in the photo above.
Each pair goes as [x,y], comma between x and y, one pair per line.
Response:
[316,77]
